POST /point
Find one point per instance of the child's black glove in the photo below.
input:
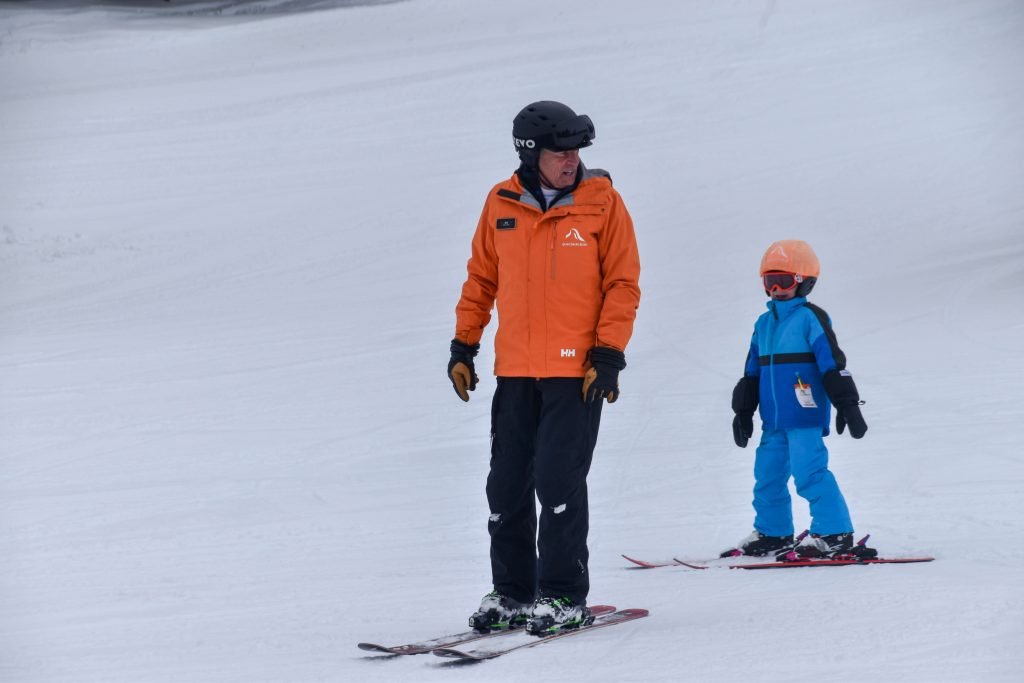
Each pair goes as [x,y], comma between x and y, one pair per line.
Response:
[742,428]
[843,393]
[744,402]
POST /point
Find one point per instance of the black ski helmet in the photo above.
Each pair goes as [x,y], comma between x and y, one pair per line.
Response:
[550,125]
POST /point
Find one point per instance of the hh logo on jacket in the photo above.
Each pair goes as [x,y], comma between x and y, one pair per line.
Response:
[573,238]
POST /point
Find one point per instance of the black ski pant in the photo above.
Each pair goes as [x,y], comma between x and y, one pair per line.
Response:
[542,443]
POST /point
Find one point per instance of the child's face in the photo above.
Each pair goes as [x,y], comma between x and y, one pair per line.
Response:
[779,295]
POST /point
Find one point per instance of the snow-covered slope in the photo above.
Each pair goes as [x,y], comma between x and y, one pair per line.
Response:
[231,247]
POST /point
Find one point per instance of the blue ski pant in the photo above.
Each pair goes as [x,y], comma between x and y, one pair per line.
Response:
[800,453]
[542,444]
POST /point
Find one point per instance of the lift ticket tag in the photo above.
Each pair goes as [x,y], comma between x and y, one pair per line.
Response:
[803,394]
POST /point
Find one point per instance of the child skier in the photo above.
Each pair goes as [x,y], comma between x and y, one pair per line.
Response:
[794,369]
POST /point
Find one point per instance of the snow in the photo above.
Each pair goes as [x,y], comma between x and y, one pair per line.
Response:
[232,236]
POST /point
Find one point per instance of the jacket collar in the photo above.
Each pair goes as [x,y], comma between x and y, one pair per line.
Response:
[781,309]
[529,178]
[584,191]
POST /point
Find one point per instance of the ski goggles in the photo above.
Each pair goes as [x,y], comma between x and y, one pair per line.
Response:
[578,133]
[781,281]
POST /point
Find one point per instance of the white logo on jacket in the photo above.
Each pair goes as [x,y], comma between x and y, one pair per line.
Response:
[574,239]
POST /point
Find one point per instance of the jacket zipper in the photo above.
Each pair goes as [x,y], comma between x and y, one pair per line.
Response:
[771,366]
[776,327]
[554,252]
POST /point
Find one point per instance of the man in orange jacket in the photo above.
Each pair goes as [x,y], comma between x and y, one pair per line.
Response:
[556,253]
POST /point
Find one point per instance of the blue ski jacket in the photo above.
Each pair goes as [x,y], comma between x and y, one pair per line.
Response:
[792,348]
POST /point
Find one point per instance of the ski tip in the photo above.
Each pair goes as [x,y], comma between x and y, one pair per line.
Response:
[394,649]
[691,565]
[643,563]
[371,647]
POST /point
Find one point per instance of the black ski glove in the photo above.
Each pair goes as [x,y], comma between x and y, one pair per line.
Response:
[460,368]
[602,379]
[744,402]
[843,393]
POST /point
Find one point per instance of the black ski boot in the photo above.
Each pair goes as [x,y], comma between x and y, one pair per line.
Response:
[551,615]
[759,545]
[499,612]
[835,546]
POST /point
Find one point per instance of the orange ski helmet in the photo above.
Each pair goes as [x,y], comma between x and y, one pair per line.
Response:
[793,256]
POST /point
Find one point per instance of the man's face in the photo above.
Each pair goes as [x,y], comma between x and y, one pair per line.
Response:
[558,169]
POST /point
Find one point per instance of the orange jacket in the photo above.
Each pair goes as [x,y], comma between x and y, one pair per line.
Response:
[565,280]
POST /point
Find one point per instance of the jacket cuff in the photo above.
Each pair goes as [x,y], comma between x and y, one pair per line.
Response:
[746,395]
[840,388]
[606,355]
[464,349]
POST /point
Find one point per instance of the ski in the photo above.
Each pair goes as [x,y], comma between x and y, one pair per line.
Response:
[810,562]
[425,646]
[523,640]
[791,559]
[651,565]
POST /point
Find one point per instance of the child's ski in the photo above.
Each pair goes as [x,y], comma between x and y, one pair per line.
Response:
[810,562]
